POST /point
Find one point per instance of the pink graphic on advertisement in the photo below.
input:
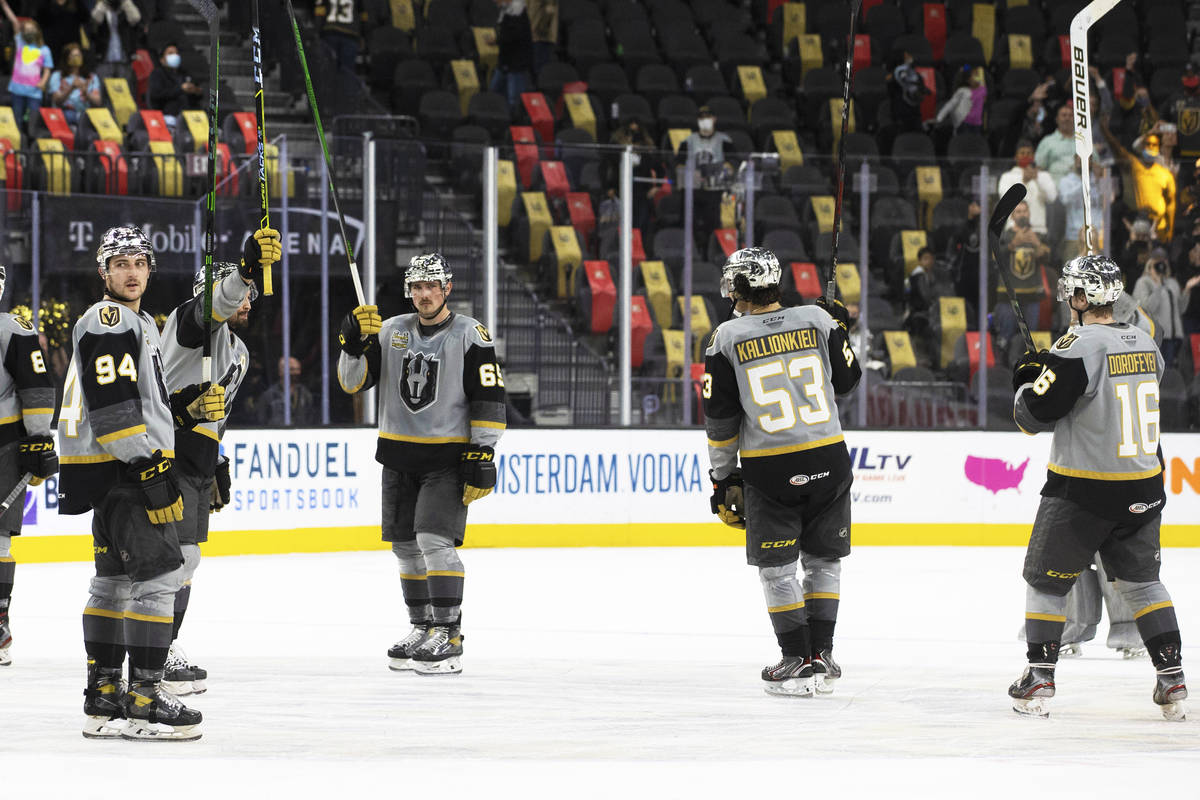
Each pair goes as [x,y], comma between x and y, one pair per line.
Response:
[994,474]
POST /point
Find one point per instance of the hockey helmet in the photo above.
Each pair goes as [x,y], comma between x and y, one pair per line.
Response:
[220,271]
[1097,275]
[427,267]
[124,240]
[758,265]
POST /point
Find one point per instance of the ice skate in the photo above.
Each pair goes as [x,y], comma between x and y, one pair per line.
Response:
[400,654]
[156,714]
[1032,691]
[177,676]
[1170,690]
[825,671]
[791,677]
[440,653]
[5,641]
[102,704]
[1071,650]
[1131,652]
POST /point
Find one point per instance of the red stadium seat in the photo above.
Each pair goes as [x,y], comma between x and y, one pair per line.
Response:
[539,114]
[973,351]
[116,169]
[727,237]
[554,175]
[929,104]
[143,66]
[525,147]
[1194,340]
[1064,49]
[808,283]
[56,124]
[603,295]
[862,51]
[583,218]
[248,125]
[934,15]
[642,326]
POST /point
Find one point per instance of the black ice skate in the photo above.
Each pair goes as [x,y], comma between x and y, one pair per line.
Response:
[440,653]
[181,678]
[401,653]
[156,714]
[103,703]
[5,640]
[1170,690]
[825,671]
[1032,691]
[791,677]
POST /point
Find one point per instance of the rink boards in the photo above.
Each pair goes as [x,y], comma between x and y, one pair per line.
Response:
[317,490]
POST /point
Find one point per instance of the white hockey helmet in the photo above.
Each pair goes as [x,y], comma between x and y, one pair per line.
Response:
[1098,276]
[220,270]
[427,267]
[124,240]
[759,266]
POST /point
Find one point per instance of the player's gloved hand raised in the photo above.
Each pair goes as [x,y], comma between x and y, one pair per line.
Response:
[836,310]
[155,477]
[261,250]
[198,402]
[477,469]
[220,486]
[358,328]
[727,500]
[1027,368]
[35,455]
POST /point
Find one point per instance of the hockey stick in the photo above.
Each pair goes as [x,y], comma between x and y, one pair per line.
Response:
[831,285]
[312,102]
[1080,25]
[17,491]
[996,223]
[260,109]
[209,12]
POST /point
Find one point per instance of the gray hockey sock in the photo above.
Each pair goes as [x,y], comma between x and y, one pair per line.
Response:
[445,577]
[414,584]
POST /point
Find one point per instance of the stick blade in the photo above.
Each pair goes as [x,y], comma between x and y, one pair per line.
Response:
[1004,208]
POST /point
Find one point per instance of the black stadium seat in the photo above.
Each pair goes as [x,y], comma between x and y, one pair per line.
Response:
[704,82]
[411,80]
[608,81]
[489,111]
[656,81]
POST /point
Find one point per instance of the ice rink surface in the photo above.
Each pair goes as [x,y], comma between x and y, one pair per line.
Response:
[599,673]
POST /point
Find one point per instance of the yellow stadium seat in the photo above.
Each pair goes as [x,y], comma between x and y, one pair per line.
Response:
[567,257]
[823,207]
[811,56]
[121,99]
[486,47]
[912,242]
[57,165]
[929,193]
[788,147]
[197,125]
[8,127]
[658,291]
[1020,51]
[678,136]
[835,114]
[794,22]
[701,325]
[953,322]
[750,78]
[506,192]
[466,80]
[579,107]
[983,27]
[849,283]
[102,120]
[539,220]
[170,173]
[402,15]
[900,350]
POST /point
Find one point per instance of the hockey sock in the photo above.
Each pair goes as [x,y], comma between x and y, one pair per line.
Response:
[1165,649]
[1153,611]
[413,581]
[8,568]
[1042,652]
[445,577]
[822,633]
[822,593]
[794,642]
[1045,617]
[785,607]
[149,620]
[181,604]
[104,621]
[191,560]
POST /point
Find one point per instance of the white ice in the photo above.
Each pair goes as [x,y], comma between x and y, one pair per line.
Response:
[594,673]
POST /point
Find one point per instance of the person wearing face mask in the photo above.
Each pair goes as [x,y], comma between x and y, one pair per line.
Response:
[1153,184]
[72,88]
[1039,185]
[712,169]
[171,91]
[31,67]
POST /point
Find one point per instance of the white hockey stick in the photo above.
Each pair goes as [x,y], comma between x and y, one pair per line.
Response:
[17,491]
[1080,25]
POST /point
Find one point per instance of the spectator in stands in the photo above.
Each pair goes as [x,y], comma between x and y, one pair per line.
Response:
[1137,248]
[962,251]
[963,112]
[31,67]
[918,288]
[270,404]
[171,91]
[907,90]
[1032,127]
[115,30]
[1189,298]
[1153,183]
[648,168]
[1070,193]
[1186,97]
[543,22]
[1039,185]
[340,23]
[1158,293]
[60,21]
[712,172]
[1056,151]
[514,62]
[73,89]
[1024,253]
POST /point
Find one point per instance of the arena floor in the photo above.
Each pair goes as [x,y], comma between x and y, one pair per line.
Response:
[594,673]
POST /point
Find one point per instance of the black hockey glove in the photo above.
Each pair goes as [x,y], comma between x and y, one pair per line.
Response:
[198,402]
[359,329]
[261,250]
[155,476]
[1027,369]
[727,501]
[220,486]
[477,469]
[35,455]
[836,310]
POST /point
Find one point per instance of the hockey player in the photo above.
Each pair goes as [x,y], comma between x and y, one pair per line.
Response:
[204,473]
[26,408]
[769,386]
[441,411]
[1097,389]
[117,428]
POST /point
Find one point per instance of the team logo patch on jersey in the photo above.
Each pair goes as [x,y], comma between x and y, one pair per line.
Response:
[418,381]
[483,334]
[400,340]
[110,316]
[1189,121]
[24,323]
[1065,341]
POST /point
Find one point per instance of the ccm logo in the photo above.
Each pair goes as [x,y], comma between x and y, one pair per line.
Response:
[1142,508]
[1064,575]
[800,480]
[780,543]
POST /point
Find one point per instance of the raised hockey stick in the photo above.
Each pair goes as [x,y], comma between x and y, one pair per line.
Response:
[208,10]
[16,492]
[996,223]
[1080,24]
[260,115]
[312,102]
[831,285]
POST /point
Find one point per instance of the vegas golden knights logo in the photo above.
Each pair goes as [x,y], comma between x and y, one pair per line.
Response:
[1023,263]
[110,316]
[418,381]
[1189,121]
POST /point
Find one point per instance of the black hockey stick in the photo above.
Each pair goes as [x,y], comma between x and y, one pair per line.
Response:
[999,219]
[16,492]
[312,102]
[209,12]
[831,285]
[260,115]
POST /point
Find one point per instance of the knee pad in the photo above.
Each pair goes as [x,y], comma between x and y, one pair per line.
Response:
[439,552]
[821,574]
[410,558]
[158,593]
[191,560]
[109,593]
[780,586]
[1142,595]
[1038,601]
[5,545]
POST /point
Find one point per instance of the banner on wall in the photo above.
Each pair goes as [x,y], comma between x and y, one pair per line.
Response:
[328,478]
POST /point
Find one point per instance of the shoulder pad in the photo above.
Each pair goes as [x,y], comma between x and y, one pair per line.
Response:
[108,317]
[15,323]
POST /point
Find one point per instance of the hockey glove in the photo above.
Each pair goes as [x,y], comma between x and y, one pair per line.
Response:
[220,486]
[35,455]
[160,488]
[1027,369]
[261,250]
[358,328]
[836,310]
[478,472]
[198,402]
[727,499]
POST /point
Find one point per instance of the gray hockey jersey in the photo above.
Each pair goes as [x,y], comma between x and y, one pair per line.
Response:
[769,395]
[197,449]
[26,387]
[439,388]
[1098,392]
[115,407]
